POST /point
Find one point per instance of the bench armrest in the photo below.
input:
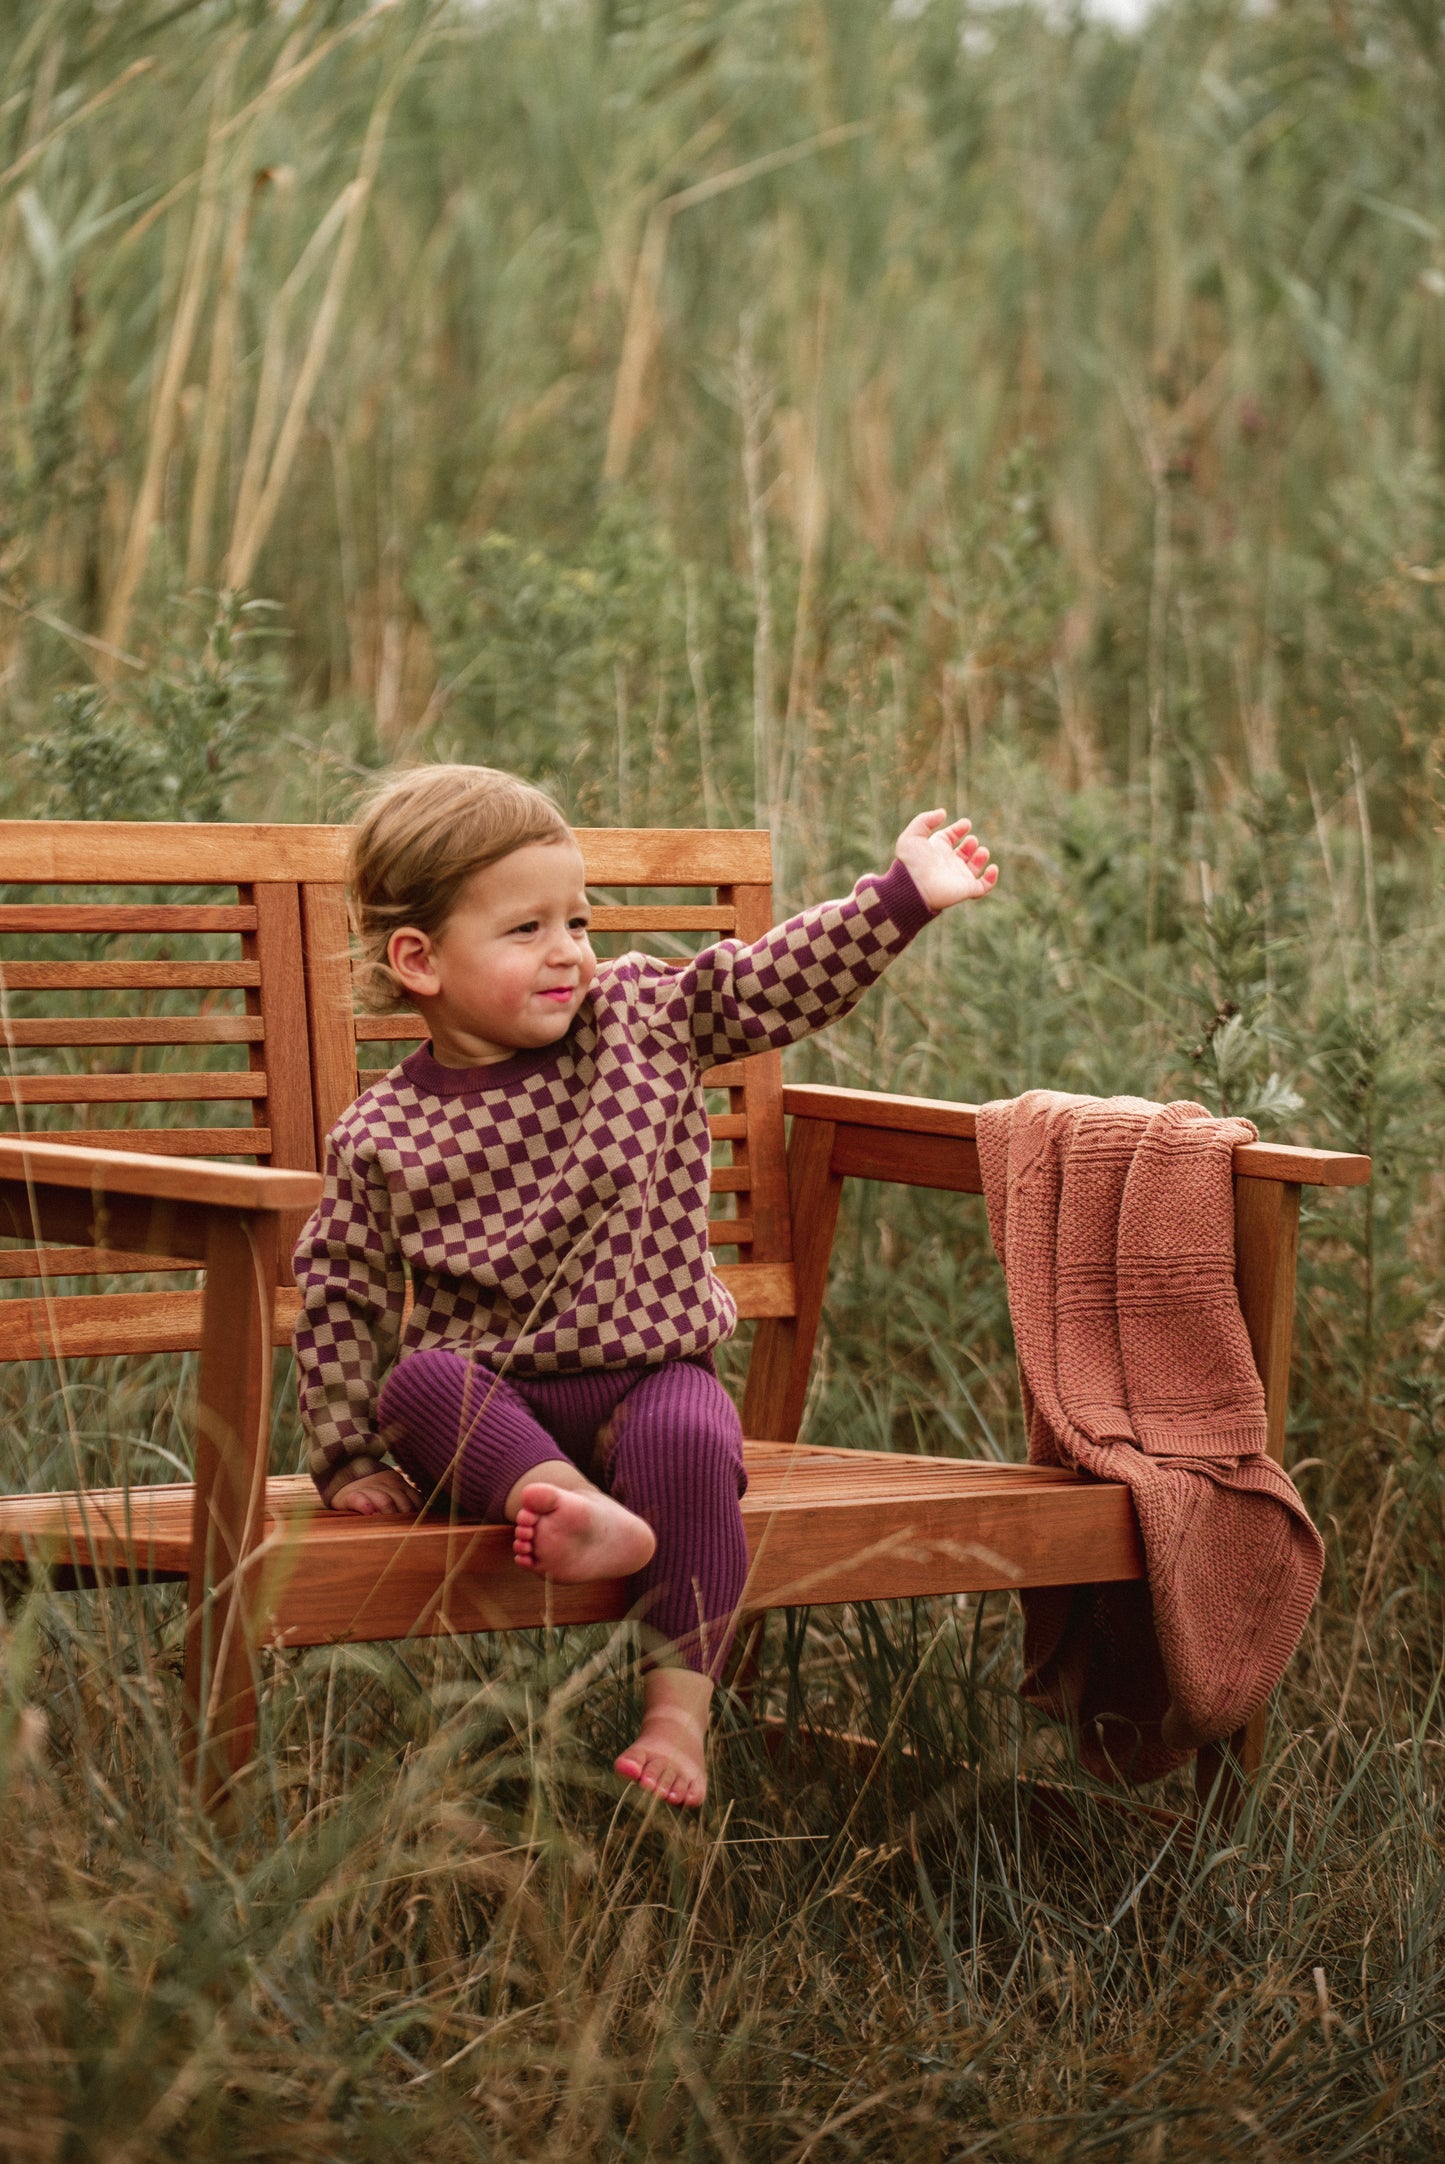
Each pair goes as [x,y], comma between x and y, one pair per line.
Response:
[840,1134]
[229,1220]
[33,1162]
[127,1199]
[899,1138]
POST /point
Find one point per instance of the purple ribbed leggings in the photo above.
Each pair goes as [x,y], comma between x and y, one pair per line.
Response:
[672,1452]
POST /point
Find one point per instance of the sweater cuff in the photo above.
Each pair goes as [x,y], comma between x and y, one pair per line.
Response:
[898,891]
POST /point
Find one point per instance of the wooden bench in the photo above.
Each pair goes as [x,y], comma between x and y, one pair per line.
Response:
[259,1046]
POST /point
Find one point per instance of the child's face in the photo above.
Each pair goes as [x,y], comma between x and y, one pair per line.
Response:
[511,965]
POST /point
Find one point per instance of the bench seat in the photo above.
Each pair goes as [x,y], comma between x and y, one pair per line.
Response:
[823,1526]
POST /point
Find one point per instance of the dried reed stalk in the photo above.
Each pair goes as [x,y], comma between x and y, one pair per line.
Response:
[260,441]
[644,318]
[147,506]
[287,74]
[756,407]
[253,521]
[37,149]
[214,410]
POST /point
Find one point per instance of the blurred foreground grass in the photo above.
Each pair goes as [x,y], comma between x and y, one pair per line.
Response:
[794,415]
[442,1934]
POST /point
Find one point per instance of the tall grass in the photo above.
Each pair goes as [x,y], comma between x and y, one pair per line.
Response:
[780,414]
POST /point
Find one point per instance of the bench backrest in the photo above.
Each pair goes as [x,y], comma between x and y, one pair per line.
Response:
[187,988]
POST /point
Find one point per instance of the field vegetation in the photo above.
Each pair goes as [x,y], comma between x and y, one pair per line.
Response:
[795,413]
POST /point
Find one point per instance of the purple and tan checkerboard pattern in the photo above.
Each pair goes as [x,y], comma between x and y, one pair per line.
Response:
[551,1209]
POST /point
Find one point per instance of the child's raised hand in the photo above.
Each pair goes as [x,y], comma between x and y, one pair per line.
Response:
[382,1494]
[947,863]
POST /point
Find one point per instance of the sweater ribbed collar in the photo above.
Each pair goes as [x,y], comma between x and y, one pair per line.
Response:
[427,1074]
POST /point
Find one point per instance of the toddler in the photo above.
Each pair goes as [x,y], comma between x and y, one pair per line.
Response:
[539,1171]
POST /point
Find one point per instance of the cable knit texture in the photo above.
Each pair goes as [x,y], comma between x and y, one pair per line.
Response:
[550,1210]
[666,1441]
[1114,1221]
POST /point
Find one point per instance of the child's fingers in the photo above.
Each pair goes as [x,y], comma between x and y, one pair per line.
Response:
[378,1499]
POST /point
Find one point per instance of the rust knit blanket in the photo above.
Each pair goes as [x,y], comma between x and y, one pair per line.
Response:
[1114,1221]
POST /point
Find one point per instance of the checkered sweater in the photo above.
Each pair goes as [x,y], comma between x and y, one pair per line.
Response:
[551,1209]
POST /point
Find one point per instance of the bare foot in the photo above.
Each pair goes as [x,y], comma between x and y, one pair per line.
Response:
[669,1757]
[574,1535]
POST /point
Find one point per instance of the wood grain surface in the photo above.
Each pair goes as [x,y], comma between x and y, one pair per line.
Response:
[125,976]
[124,917]
[937,1116]
[133,1088]
[107,1325]
[34,1164]
[165,1141]
[823,1526]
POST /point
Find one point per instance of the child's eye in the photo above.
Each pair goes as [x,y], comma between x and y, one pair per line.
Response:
[529,926]
[578,924]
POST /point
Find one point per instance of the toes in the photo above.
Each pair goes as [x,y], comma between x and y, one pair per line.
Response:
[661,1778]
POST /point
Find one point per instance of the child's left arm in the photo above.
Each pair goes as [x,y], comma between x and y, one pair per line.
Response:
[808,972]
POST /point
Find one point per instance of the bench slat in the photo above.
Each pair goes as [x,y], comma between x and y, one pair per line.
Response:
[389,1028]
[79,852]
[675,856]
[622,917]
[164,1141]
[126,976]
[105,853]
[144,1088]
[100,1325]
[761,1289]
[730,1232]
[123,917]
[32,1262]
[136,1029]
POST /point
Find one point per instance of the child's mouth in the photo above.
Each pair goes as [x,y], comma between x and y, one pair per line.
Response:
[560,995]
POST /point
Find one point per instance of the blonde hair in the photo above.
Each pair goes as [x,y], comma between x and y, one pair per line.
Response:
[416,844]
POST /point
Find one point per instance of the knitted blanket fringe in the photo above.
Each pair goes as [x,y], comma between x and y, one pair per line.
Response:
[1114,1221]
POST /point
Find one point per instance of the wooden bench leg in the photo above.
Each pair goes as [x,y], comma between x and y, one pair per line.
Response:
[232,1440]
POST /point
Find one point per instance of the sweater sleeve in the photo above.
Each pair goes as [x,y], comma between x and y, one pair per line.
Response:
[353,1282]
[803,974]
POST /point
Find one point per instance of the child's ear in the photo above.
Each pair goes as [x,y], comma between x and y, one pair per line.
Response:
[409,955]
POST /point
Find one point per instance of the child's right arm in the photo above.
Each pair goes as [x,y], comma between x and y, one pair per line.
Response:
[739,998]
[353,1283]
